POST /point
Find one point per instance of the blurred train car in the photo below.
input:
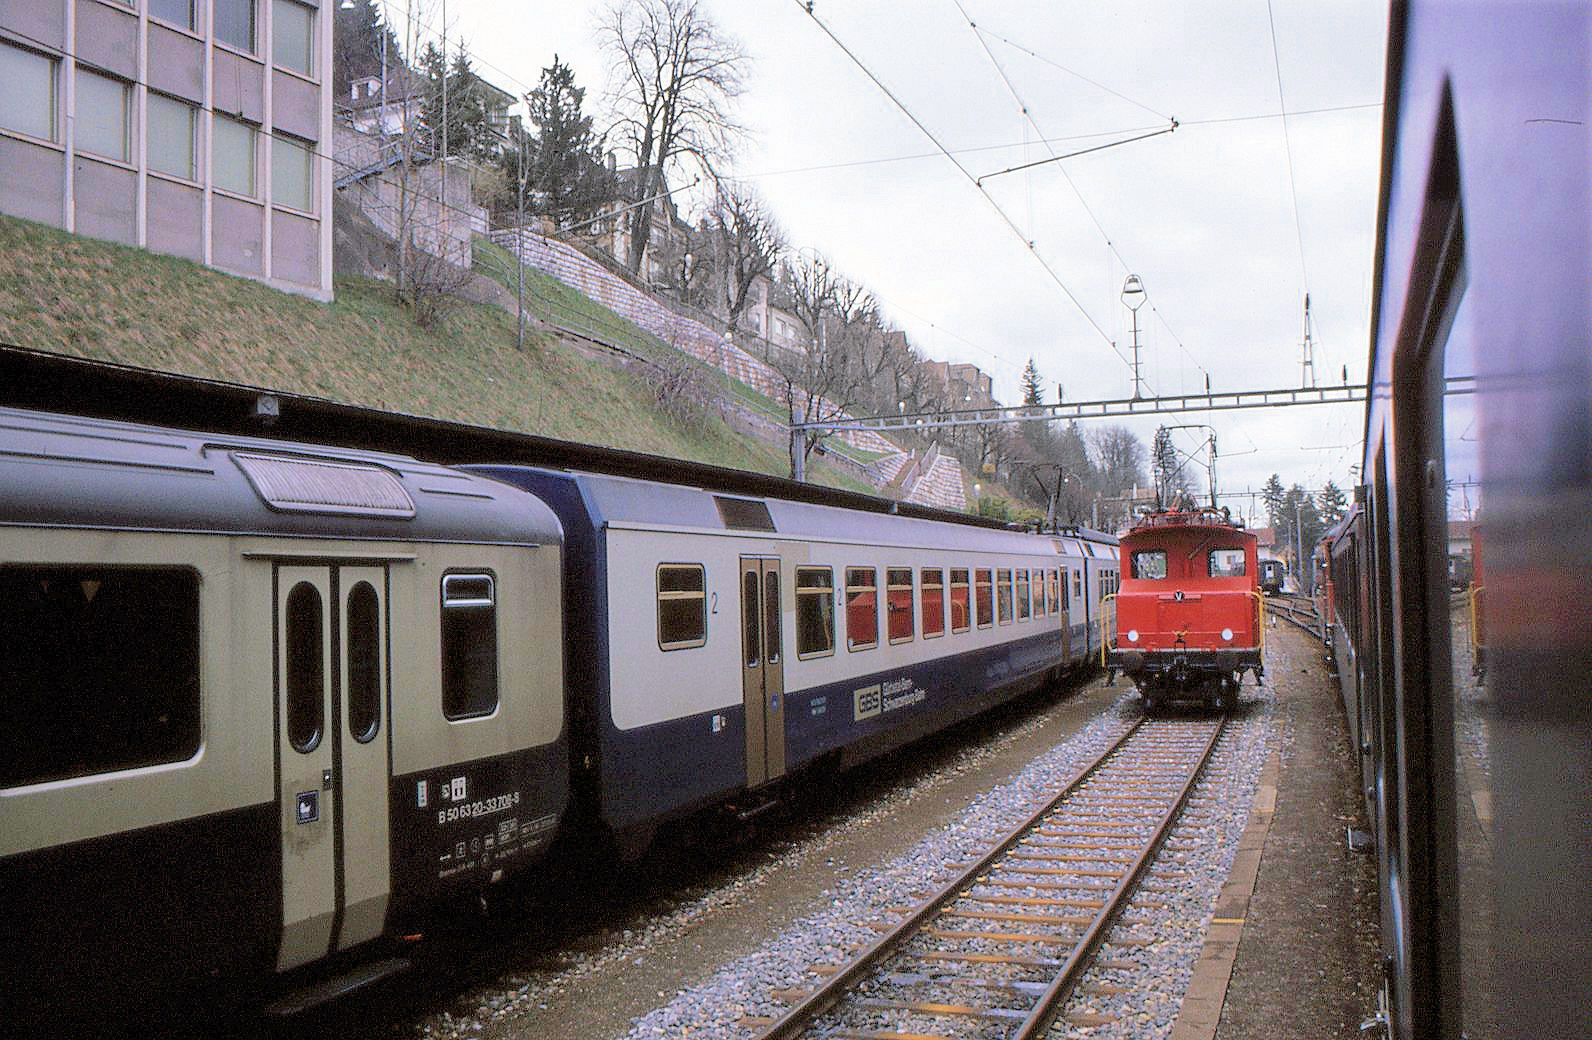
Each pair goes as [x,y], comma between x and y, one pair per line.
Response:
[1481,377]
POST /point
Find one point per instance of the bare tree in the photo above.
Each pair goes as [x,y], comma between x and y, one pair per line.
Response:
[674,74]
[817,384]
[746,242]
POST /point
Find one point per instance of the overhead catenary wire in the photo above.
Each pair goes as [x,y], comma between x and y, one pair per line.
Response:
[1293,189]
[971,179]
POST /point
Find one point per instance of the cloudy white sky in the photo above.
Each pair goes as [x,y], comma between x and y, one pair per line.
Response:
[1206,215]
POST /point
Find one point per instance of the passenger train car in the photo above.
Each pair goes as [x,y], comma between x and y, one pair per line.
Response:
[261,699]
[270,698]
[1480,404]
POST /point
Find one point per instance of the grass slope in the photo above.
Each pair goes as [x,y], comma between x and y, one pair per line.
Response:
[79,296]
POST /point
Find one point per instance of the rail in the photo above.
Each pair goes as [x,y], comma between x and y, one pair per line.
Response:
[1160,762]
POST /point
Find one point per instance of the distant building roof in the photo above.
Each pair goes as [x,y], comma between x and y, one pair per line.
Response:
[1265,537]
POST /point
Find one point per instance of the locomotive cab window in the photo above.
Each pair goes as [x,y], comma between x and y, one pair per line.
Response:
[469,646]
[1149,564]
[815,612]
[99,669]
[898,603]
[1225,563]
[862,608]
[682,606]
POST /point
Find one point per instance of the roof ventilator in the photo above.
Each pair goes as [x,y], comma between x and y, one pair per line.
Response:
[298,485]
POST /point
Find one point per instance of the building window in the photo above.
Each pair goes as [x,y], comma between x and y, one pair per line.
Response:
[933,599]
[898,603]
[862,608]
[100,669]
[682,606]
[177,12]
[961,613]
[292,174]
[983,599]
[293,36]
[102,115]
[170,135]
[232,156]
[234,21]
[27,104]
[469,646]
[815,611]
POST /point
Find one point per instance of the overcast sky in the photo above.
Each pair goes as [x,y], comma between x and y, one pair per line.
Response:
[1205,215]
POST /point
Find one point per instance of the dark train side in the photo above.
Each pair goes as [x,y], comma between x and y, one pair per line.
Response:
[1456,600]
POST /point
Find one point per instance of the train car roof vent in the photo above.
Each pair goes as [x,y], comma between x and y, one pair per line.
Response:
[744,514]
[290,484]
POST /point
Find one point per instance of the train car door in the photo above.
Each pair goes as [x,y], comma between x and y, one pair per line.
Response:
[332,755]
[762,669]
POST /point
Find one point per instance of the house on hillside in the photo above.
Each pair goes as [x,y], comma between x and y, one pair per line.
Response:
[964,385]
[195,129]
[775,330]
[669,241]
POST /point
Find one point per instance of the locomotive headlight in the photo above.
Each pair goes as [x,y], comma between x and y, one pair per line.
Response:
[1133,635]
[1227,634]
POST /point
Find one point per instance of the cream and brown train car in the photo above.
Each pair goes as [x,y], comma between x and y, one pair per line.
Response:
[260,699]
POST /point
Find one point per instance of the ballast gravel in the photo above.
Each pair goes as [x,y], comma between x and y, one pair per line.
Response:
[1153,974]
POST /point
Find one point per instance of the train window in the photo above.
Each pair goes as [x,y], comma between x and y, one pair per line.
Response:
[1056,605]
[99,668]
[1149,564]
[1025,603]
[961,615]
[305,643]
[815,611]
[469,646]
[932,597]
[682,606]
[1003,596]
[771,640]
[898,603]
[364,662]
[1225,563]
[862,608]
[751,643]
[983,598]
[1077,582]
[1066,591]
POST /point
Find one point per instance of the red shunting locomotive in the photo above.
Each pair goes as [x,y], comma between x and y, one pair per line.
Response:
[1188,618]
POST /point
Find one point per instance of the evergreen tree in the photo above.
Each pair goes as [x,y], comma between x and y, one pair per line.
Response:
[468,132]
[564,173]
[357,48]
[1272,495]
[1331,504]
[1033,385]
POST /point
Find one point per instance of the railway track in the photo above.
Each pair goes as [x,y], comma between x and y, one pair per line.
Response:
[1299,611]
[998,950]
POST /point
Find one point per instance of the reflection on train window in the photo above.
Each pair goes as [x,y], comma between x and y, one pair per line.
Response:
[304,641]
[771,639]
[364,662]
[1077,582]
[1024,602]
[961,612]
[933,602]
[99,669]
[815,612]
[751,637]
[1066,592]
[469,646]
[862,608]
[1226,563]
[898,603]
[983,598]
[682,606]
[1149,564]
[1003,596]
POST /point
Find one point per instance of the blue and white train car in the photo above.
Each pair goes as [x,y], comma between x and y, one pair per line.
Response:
[1091,573]
[717,642]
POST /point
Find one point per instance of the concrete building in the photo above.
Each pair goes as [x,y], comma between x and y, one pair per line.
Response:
[197,128]
[966,385]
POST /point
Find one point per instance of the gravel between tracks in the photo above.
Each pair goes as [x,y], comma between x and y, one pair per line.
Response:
[1186,882]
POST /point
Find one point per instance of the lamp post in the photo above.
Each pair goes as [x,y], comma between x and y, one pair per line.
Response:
[1133,298]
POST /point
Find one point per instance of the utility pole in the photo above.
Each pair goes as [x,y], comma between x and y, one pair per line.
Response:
[519,242]
[1307,364]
